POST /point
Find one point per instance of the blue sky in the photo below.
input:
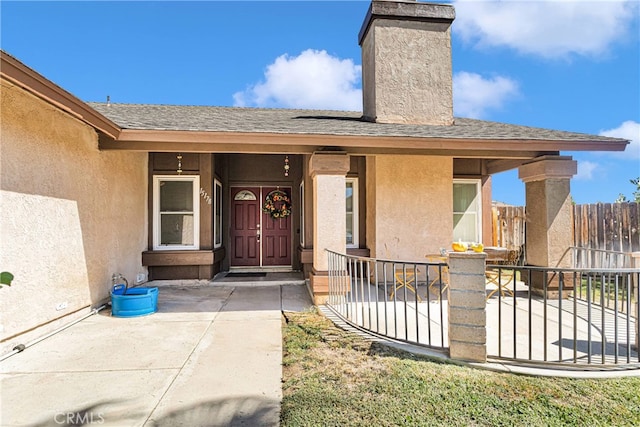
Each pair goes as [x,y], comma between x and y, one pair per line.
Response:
[567,65]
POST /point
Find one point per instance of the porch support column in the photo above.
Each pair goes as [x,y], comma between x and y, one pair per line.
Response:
[328,171]
[549,231]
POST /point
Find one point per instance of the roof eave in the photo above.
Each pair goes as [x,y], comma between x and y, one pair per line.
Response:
[134,139]
[20,75]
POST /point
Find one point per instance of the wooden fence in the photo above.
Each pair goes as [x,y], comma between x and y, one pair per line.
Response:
[607,226]
[508,226]
[610,227]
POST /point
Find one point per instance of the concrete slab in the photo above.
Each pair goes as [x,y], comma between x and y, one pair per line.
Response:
[238,366]
[109,398]
[187,303]
[211,356]
[296,298]
[107,344]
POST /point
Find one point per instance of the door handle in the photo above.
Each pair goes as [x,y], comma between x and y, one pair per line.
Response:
[258,234]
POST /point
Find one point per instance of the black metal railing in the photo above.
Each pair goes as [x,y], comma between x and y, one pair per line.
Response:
[400,300]
[570,317]
[562,315]
[598,258]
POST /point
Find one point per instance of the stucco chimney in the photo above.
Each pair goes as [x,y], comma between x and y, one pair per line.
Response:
[406,63]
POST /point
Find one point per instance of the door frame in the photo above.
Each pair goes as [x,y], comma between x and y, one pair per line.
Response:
[261,195]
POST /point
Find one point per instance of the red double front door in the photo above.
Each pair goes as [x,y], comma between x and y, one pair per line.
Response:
[256,238]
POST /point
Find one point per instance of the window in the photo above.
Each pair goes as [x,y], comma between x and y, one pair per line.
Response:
[467,210]
[352,212]
[176,212]
[217,214]
[302,214]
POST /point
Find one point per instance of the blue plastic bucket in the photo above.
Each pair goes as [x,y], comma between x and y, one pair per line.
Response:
[133,302]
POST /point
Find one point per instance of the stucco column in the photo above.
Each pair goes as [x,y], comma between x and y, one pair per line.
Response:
[467,306]
[549,231]
[328,172]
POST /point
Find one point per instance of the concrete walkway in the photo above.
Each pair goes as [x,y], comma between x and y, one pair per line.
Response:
[211,356]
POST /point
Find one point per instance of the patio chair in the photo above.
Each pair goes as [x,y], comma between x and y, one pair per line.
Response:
[441,273]
[503,277]
[404,278]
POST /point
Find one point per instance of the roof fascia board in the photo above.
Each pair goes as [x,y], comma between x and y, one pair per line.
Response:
[243,139]
[231,148]
[20,75]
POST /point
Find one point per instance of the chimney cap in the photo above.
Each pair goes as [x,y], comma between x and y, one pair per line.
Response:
[411,10]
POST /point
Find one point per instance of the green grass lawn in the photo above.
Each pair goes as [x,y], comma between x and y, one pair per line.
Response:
[335,378]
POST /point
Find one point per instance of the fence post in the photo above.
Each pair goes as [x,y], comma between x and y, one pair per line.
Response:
[635,263]
[467,306]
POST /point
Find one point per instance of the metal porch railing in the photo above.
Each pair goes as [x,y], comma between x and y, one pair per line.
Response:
[598,258]
[400,300]
[574,318]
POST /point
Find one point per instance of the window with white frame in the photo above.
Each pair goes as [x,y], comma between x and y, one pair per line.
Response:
[352,212]
[467,210]
[217,214]
[176,212]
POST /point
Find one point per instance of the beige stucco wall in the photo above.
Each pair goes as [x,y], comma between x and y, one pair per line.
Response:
[71,215]
[409,205]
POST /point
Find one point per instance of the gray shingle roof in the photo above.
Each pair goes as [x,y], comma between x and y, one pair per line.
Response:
[317,122]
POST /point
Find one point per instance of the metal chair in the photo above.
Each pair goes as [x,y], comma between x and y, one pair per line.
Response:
[404,278]
[441,275]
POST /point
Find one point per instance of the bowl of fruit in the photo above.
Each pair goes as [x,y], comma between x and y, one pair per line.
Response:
[459,246]
[477,247]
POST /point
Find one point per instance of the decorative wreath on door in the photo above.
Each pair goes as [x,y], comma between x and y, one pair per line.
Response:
[277,204]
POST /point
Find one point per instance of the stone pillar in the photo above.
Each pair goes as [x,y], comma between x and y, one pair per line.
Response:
[635,262]
[549,232]
[328,171]
[467,306]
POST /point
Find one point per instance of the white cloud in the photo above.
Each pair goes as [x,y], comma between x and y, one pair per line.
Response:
[314,79]
[474,95]
[585,170]
[629,130]
[550,29]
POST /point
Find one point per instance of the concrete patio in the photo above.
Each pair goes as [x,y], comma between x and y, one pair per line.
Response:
[211,355]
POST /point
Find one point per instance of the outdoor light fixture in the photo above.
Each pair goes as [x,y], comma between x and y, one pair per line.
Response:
[286,165]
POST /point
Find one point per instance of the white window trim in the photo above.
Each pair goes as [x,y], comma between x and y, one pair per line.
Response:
[156,212]
[302,214]
[477,182]
[356,225]
[217,227]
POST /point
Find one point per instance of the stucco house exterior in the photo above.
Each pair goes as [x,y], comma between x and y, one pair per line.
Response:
[177,192]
